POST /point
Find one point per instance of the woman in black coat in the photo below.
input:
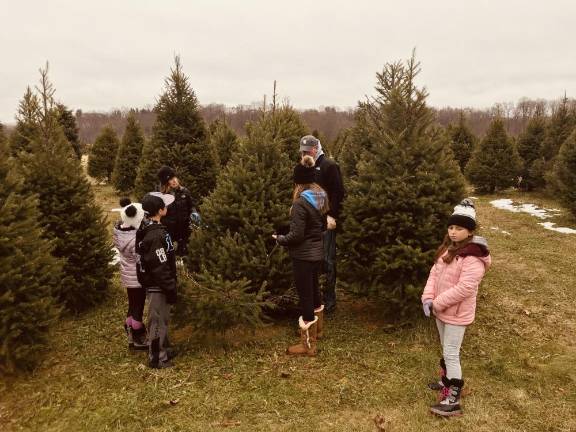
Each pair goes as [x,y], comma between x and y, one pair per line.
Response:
[177,220]
[304,242]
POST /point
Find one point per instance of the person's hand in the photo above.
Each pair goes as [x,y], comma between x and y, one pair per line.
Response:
[330,223]
[427,307]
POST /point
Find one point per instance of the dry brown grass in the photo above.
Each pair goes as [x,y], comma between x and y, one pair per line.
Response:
[518,360]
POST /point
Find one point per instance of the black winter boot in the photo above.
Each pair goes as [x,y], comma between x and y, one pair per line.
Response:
[450,405]
[155,362]
[139,339]
[437,385]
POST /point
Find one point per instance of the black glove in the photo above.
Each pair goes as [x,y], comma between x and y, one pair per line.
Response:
[171,297]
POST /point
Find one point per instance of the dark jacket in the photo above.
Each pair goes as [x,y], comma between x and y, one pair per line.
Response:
[304,240]
[330,178]
[156,261]
[177,220]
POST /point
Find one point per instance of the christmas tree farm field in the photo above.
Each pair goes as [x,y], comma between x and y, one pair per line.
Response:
[518,359]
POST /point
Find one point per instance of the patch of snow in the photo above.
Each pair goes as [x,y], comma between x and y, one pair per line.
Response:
[116,258]
[531,209]
[498,229]
[563,230]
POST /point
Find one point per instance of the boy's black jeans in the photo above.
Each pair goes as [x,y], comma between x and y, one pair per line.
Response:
[306,281]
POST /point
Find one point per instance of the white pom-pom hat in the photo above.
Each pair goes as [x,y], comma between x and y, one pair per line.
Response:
[464,215]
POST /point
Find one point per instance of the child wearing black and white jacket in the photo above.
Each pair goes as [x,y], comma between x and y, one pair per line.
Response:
[157,274]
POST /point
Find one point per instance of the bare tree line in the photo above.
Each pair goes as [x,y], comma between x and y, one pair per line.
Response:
[329,121]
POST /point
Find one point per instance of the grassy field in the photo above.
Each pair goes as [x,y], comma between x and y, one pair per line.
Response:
[518,358]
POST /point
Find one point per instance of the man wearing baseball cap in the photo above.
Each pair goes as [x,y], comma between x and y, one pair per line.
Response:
[329,177]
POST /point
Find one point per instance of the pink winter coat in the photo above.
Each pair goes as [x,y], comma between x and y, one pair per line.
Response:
[453,287]
[125,242]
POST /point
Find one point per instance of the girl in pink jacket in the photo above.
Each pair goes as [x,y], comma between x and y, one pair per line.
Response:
[131,215]
[450,294]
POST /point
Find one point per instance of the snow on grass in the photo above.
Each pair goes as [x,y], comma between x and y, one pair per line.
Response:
[531,209]
[563,230]
[495,228]
[507,204]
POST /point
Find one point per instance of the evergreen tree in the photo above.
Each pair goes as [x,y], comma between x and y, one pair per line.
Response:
[68,124]
[26,123]
[103,154]
[404,190]
[462,141]
[565,172]
[128,157]
[495,164]
[217,304]
[558,129]
[358,142]
[180,140]
[530,150]
[285,127]
[224,140]
[250,203]
[29,275]
[69,213]
[340,146]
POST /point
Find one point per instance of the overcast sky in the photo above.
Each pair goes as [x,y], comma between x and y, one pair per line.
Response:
[108,54]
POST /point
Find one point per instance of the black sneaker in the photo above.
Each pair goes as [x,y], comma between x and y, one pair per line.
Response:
[171,353]
[139,342]
[161,365]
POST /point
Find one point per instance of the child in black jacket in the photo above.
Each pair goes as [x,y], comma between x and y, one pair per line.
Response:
[305,245]
[156,269]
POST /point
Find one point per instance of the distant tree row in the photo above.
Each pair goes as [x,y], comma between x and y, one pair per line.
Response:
[329,121]
[540,158]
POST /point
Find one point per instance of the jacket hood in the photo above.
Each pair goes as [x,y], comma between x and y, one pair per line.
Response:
[124,238]
[478,247]
[316,199]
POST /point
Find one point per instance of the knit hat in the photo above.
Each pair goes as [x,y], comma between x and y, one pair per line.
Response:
[132,215]
[165,174]
[308,142]
[304,172]
[464,215]
[153,202]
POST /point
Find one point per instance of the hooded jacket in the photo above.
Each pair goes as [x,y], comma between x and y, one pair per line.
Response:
[453,287]
[307,223]
[125,242]
[156,262]
[177,220]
